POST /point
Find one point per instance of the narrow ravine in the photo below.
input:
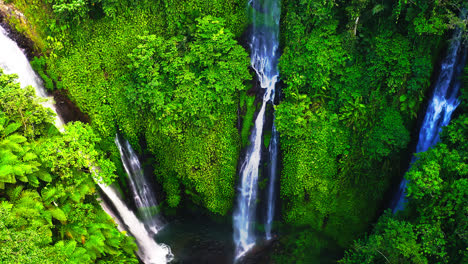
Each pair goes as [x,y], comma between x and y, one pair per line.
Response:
[443,103]
[264,60]
[14,61]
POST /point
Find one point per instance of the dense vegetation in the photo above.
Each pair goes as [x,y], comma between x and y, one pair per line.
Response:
[434,226]
[48,207]
[138,68]
[345,121]
[173,76]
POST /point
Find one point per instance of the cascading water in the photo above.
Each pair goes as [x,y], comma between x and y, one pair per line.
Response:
[142,194]
[264,60]
[13,60]
[148,250]
[273,149]
[444,101]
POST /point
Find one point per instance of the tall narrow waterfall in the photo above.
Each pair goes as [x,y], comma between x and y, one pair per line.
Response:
[273,168]
[444,101]
[264,60]
[13,60]
[141,189]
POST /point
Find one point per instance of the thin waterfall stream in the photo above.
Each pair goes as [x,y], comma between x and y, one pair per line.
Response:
[264,60]
[273,170]
[443,103]
[142,193]
[13,60]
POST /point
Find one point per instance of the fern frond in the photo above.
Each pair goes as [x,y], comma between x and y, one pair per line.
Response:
[16,138]
[14,193]
[48,194]
[58,214]
[11,128]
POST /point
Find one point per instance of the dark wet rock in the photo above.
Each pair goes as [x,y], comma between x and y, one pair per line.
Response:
[23,42]
[67,109]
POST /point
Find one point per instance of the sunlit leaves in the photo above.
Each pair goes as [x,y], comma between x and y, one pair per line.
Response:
[180,82]
[17,160]
[24,107]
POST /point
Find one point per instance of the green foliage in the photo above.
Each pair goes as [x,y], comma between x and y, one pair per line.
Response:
[388,136]
[168,75]
[323,48]
[317,153]
[394,242]
[53,216]
[24,106]
[431,18]
[295,118]
[356,73]
[17,160]
[71,9]
[185,76]
[25,235]
[50,79]
[75,149]
[463,97]
[201,164]
[190,130]
[248,108]
[319,248]
[77,10]
[181,16]
[434,227]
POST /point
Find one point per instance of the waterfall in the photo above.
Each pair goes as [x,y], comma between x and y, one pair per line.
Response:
[273,149]
[141,189]
[13,60]
[148,250]
[264,60]
[443,102]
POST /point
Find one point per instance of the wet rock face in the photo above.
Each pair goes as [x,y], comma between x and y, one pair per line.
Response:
[67,109]
[6,12]
[261,254]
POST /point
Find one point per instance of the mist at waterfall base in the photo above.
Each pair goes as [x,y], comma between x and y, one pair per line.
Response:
[264,60]
[14,61]
[441,106]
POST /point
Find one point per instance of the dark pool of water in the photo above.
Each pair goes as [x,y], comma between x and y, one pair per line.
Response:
[198,240]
